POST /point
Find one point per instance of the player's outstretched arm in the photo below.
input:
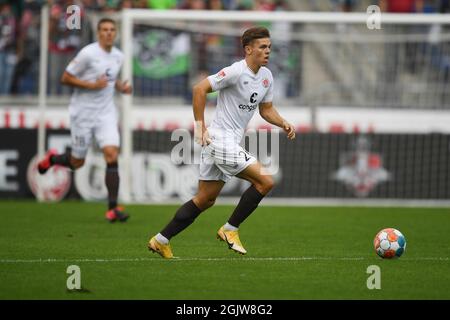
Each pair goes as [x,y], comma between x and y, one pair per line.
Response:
[71,80]
[199,93]
[271,115]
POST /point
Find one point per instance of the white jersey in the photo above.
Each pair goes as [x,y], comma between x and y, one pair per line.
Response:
[241,91]
[90,64]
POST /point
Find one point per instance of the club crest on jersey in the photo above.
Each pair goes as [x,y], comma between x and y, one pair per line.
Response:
[220,75]
[265,83]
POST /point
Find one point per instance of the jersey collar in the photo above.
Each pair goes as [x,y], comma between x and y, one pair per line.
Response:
[253,73]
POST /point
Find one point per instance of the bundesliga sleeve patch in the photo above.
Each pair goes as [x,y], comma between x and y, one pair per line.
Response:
[265,83]
[220,76]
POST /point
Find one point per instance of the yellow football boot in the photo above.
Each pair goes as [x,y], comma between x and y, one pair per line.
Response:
[163,250]
[232,239]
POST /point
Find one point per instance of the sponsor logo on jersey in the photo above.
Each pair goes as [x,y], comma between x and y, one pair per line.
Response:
[220,75]
[108,74]
[248,107]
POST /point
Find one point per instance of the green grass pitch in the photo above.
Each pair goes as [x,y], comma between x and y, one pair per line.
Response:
[293,253]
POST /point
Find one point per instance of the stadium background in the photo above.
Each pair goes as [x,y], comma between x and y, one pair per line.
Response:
[371,107]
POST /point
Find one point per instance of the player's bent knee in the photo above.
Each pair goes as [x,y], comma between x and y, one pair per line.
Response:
[270,184]
[265,185]
[204,203]
[111,158]
[111,154]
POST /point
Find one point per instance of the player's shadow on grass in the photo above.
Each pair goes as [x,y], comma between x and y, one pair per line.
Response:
[82,290]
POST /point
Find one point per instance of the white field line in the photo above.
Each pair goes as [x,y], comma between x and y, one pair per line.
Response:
[157,259]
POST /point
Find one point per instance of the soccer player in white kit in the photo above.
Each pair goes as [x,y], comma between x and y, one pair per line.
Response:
[94,75]
[243,87]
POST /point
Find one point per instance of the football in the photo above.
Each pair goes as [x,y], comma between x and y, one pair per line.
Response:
[389,243]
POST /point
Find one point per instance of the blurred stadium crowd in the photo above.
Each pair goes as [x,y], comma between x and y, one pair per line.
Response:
[20,43]
[20,25]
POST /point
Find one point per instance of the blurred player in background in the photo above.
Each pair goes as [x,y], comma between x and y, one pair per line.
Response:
[93,73]
[243,87]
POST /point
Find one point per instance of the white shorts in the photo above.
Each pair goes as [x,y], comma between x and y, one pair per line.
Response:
[103,127]
[215,164]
